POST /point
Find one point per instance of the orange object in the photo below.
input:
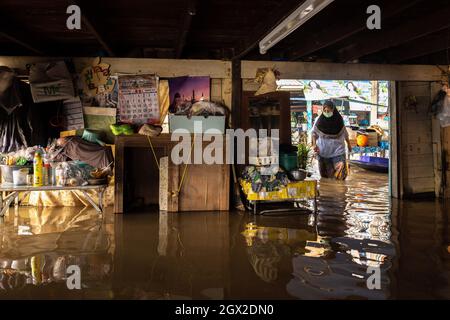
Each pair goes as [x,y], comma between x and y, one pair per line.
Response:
[362,140]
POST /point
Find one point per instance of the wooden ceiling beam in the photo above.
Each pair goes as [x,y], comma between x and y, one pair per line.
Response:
[419,48]
[186,26]
[97,35]
[22,43]
[91,27]
[261,28]
[9,29]
[343,28]
[376,41]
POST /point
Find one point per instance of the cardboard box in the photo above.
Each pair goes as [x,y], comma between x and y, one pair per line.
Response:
[373,139]
[204,124]
[352,136]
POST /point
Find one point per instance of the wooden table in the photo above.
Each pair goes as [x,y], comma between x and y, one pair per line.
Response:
[13,191]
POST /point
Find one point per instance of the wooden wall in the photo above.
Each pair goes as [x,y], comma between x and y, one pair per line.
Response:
[417,162]
[344,71]
[418,137]
[219,71]
[437,137]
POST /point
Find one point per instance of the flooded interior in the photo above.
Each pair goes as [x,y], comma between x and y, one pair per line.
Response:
[233,255]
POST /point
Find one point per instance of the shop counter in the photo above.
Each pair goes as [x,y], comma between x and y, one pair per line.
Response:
[137,177]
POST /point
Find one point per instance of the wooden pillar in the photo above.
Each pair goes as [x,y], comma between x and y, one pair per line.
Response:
[119,172]
[374,99]
[446,161]
[395,185]
[237,93]
[309,115]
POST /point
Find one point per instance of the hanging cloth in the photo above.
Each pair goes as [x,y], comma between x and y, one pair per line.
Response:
[11,134]
[9,95]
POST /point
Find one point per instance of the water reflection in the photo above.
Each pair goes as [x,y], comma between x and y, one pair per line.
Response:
[172,256]
[266,246]
[330,260]
[37,245]
[322,267]
[211,255]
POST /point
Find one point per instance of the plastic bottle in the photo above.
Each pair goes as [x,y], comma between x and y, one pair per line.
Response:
[45,175]
[37,168]
[45,170]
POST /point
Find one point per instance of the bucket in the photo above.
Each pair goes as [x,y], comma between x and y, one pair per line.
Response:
[7,172]
[288,161]
[20,176]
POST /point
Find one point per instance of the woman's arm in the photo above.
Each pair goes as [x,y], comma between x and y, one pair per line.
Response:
[349,146]
[314,143]
[347,139]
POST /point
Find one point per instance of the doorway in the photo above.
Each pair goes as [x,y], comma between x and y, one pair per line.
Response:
[365,108]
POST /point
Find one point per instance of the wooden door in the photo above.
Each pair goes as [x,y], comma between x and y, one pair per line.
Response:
[446,160]
[415,139]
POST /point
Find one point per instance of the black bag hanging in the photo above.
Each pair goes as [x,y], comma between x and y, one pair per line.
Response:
[11,113]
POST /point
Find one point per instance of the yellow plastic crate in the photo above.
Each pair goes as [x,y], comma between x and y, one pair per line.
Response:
[68,133]
[294,190]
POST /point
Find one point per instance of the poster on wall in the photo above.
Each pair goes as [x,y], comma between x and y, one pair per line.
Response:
[99,87]
[185,91]
[138,99]
[314,92]
[358,91]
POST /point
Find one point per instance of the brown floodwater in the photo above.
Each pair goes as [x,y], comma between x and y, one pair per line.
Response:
[220,255]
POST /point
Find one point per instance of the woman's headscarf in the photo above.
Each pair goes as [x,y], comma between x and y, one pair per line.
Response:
[332,125]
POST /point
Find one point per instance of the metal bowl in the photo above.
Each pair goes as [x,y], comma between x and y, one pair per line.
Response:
[96,182]
[7,171]
[298,174]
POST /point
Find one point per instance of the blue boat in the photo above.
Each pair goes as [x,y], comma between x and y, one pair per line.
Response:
[376,164]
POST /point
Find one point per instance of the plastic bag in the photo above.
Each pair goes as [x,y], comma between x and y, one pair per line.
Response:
[444,114]
[268,83]
[51,81]
[72,173]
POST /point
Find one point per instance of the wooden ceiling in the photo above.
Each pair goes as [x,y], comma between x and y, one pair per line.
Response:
[413,31]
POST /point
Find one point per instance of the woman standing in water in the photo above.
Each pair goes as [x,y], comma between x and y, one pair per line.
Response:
[329,137]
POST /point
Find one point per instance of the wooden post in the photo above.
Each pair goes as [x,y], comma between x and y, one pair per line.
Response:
[309,112]
[173,185]
[395,185]
[237,94]
[446,158]
[119,175]
[163,183]
[374,99]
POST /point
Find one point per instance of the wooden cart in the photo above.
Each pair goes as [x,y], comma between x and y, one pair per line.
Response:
[294,192]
